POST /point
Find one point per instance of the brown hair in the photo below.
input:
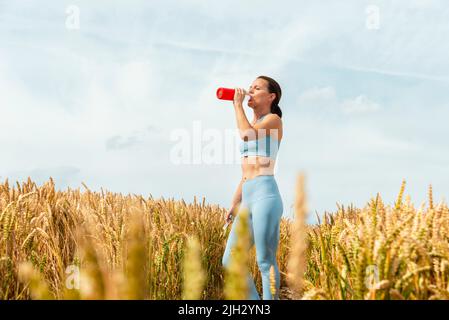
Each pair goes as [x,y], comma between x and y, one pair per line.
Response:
[274,87]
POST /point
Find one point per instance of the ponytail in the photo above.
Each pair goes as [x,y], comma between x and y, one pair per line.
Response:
[274,87]
[277,110]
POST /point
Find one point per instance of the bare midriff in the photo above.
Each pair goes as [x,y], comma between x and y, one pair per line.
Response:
[253,166]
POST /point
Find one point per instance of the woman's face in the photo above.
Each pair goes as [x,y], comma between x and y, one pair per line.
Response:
[259,94]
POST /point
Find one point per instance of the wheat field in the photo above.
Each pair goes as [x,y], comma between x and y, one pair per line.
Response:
[80,244]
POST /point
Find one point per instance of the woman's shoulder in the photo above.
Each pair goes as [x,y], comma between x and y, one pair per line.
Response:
[279,125]
[274,116]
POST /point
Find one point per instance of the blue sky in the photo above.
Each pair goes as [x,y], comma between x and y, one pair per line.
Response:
[363,107]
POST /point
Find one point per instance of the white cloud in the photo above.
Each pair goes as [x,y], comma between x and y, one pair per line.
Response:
[136,81]
[325,100]
[318,98]
[360,104]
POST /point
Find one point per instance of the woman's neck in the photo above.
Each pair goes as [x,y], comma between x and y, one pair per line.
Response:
[257,117]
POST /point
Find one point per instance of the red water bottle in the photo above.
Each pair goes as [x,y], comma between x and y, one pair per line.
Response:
[225,93]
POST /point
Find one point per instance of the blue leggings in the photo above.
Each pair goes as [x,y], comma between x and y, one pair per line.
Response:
[261,197]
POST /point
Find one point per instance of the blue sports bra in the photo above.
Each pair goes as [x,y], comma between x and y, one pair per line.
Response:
[264,146]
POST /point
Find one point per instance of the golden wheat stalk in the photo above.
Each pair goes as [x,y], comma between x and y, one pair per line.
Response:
[236,273]
[297,261]
[32,278]
[193,274]
[137,259]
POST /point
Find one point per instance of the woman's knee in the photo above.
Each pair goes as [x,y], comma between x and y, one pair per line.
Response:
[265,263]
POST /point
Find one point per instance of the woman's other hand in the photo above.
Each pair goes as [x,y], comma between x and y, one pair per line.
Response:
[231,213]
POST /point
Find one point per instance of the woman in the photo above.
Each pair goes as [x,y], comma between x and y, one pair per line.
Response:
[258,191]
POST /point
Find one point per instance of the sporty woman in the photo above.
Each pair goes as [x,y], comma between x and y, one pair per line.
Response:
[257,191]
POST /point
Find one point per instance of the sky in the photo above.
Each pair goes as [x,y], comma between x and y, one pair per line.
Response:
[101,92]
